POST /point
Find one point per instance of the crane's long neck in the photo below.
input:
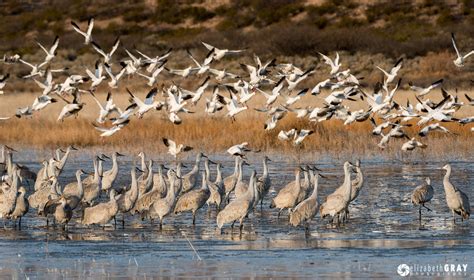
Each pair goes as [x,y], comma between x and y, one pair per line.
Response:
[204,181]
[10,164]
[115,164]
[306,178]
[96,169]
[252,186]
[171,194]
[219,174]
[2,154]
[297,181]
[63,160]
[347,183]
[236,166]
[446,183]
[314,194]
[265,168]
[134,185]
[208,172]
[241,174]
[79,185]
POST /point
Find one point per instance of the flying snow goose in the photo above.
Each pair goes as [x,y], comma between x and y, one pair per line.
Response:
[88,34]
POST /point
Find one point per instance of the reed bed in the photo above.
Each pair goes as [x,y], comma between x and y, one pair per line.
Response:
[215,134]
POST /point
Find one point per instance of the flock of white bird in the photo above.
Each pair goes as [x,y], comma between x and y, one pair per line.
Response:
[278,83]
[159,194]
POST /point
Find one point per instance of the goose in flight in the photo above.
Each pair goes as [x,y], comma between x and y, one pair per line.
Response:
[174,149]
[393,72]
[88,33]
[107,56]
[106,132]
[204,67]
[71,108]
[233,107]
[216,103]
[107,109]
[23,112]
[196,95]
[154,75]
[301,135]
[290,100]
[459,61]
[125,115]
[287,135]
[51,53]
[3,82]
[240,150]
[299,78]
[412,144]
[148,104]
[48,85]
[218,54]
[323,84]
[153,62]
[41,102]
[186,72]
[35,69]
[432,127]
[334,64]
[114,79]
[97,76]
[271,98]
[220,75]
[422,91]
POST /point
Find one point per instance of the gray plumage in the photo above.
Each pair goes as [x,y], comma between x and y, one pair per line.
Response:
[308,208]
[101,213]
[193,200]
[458,201]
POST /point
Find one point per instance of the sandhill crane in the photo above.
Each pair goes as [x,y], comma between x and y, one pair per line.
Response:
[164,206]
[336,204]
[190,179]
[62,161]
[421,195]
[9,194]
[263,183]
[159,181]
[63,212]
[109,176]
[101,213]
[305,186]
[145,200]
[288,195]
[21,206]
[126,201]
[239,208]
[240,187]
[231,180]
[357,185]
[145,181]
[457,200]
[194,199]
[216,188]
[92,186]
[307,209]
[74,196]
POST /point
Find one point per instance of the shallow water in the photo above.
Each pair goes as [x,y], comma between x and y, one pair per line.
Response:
[383,232]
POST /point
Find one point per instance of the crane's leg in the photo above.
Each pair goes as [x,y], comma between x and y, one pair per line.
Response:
[123,220]
[454,218]
[161,224]
[19,224]
[241,227]
[427,208]
[419,216]
[194,218]
[279,212]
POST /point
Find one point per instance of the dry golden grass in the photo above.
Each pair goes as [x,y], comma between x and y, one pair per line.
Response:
[216,134]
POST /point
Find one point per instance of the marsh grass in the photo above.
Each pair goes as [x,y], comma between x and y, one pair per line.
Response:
[215,134]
